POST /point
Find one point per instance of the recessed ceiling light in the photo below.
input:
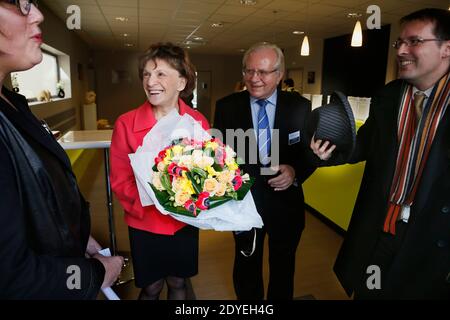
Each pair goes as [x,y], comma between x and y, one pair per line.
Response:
[121,19]
[353,15]
[128,44]
[248,2]
[126,34]
[198,38]
[217,25]
[298,32]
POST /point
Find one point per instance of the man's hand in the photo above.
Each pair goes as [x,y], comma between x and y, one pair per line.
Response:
[284,179]
[321,151]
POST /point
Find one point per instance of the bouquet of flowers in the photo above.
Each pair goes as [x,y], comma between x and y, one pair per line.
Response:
[190,176]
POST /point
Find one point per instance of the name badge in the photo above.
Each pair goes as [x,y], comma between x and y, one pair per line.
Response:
[294,137]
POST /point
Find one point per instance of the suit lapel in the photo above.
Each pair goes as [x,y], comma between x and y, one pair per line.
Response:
[244,112]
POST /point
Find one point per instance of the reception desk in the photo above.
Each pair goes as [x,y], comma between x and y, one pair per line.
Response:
[332,191]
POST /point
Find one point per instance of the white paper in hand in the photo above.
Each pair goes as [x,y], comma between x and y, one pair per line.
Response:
[108,292]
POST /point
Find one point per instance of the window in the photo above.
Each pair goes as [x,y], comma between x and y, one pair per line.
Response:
[44,82]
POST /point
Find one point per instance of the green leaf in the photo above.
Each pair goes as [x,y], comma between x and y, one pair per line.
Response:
[197,188]
[217,201]
[217,167]
[200,172]
[162,196]
[181,211]
[165,181]
[209,152]
[245,188]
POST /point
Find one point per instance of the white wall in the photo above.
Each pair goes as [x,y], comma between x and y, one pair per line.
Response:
[313,62]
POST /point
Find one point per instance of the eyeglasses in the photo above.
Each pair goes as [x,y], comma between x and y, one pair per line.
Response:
[412,42]
[23,5]
[248,73]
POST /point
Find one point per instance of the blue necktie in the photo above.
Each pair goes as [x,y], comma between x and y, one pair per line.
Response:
[263,133]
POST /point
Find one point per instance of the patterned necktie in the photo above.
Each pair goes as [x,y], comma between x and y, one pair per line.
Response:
[263,133]
[419,98]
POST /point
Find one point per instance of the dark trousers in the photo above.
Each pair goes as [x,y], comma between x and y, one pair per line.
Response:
[283,239]
[383,256]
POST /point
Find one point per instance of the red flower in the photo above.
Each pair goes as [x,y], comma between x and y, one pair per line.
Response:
[237,182]
[190,206]
[203,201]
[175,170]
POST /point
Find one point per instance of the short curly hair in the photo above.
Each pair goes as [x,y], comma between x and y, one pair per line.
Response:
[176,57]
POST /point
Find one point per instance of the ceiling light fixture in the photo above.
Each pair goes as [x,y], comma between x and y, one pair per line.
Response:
[198,38]
[298,32]
[354,15]
[121,19]
[126,34]
[357,35]
[128,45]
[248,2]
[217,25]
[304,51]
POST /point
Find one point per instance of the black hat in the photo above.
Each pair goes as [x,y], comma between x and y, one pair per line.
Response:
[334,122]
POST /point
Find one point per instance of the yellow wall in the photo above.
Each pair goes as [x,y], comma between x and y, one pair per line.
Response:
[80,159]
[332,191]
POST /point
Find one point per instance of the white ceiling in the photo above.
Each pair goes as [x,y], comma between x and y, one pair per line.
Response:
[180,21]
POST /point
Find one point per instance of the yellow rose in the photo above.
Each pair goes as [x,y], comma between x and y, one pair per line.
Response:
[161,166]
[221,189]
[177,150]
[225,176]
[212,145]
[156,181]
[181,197]
[182,184]
[210,185]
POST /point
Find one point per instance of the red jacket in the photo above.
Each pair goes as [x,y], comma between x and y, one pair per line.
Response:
[129,132]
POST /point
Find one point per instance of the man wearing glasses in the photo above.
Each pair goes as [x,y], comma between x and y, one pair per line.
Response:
[274,121]
[398,242]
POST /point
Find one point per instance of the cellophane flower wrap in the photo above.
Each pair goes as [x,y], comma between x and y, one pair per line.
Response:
[192,177]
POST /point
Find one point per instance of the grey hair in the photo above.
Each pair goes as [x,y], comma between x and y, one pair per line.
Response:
[279,64]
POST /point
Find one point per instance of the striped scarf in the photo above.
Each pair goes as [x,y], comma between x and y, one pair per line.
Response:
[414,147]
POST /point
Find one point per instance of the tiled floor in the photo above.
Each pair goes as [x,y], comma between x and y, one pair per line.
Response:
[315,256]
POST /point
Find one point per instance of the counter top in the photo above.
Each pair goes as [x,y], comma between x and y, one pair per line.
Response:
[86,139]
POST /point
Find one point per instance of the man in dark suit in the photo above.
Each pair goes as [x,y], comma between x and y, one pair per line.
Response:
[274,121]
[398,241]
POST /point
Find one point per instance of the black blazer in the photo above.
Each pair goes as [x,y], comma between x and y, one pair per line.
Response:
[422,268]
[292,110]
[39,238]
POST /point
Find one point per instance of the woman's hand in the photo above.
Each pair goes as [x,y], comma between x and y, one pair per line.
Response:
[93,247]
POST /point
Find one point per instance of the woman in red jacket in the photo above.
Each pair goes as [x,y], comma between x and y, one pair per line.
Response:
[163,249]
